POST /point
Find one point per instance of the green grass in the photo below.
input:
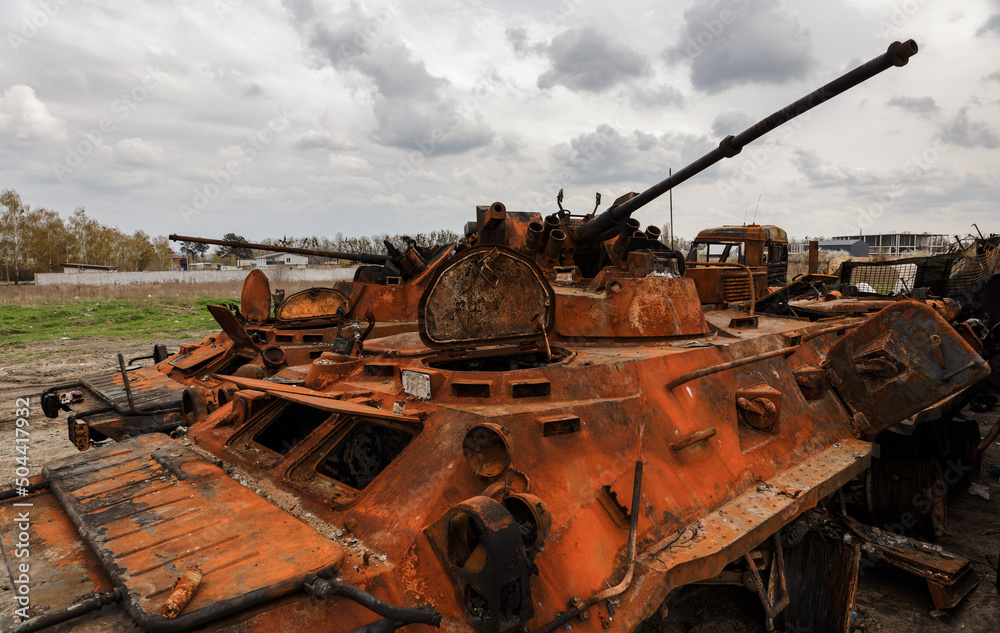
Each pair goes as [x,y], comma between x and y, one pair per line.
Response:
[122,318]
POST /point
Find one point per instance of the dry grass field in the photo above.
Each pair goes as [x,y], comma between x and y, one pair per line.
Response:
[27,295]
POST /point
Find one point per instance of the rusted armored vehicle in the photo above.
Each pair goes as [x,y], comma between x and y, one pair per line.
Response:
[254,342]
[568,437]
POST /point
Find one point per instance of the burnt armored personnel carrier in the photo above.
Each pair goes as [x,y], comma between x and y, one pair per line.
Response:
[567,438]
[254,342]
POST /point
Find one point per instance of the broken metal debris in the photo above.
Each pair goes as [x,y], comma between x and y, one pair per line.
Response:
[186,585]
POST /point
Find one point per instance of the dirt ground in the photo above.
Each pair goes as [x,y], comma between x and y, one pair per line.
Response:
[67,361]
[888,600]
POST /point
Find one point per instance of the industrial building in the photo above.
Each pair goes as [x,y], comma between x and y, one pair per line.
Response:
[902,244]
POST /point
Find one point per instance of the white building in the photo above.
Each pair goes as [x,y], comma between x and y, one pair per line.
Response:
[902,244]
[87,268]
[277,259]
[892,244]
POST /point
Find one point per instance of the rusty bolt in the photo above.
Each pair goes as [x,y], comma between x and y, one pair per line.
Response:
[350,524]
[367,558]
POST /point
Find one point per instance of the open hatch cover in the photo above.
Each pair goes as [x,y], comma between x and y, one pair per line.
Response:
[149,508]
[255,300]
[313,303]
[488,295]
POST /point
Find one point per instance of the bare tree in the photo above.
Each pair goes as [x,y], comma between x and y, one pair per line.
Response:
[13,229]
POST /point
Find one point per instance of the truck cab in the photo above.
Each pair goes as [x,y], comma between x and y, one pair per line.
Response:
[723,261]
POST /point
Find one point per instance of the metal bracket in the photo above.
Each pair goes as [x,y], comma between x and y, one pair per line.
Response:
[759,407]
[486,272]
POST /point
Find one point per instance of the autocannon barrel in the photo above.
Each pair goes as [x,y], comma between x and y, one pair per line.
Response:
[364,258]
[897,54]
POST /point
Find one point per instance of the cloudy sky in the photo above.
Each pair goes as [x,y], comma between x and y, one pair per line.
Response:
[312,117]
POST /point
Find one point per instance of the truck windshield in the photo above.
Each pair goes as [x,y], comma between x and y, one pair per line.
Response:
[716,252]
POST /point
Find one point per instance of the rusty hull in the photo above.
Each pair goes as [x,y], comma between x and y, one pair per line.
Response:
[678,393]
[491,426]
[704,503]
[710,495]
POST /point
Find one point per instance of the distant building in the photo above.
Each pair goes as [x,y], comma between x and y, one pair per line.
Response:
[178,262]
[852,246]
[902,244]
[87,268]
[280,259]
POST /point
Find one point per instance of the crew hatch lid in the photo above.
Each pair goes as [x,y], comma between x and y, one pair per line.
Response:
[488,295]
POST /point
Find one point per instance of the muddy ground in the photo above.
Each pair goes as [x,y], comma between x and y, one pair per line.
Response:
[888,601]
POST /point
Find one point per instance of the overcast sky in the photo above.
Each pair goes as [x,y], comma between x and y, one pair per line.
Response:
[312,117]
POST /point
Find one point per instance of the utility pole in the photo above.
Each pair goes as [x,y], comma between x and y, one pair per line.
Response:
[670,172]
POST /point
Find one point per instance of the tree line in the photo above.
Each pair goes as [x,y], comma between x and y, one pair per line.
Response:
[37,240]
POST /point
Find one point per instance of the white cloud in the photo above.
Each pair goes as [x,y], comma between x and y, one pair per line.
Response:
[607,155]
[341,163]
[990,27]
[588,60]
[314,139]
[921,106]
[963,131]
[25,120]
[731,122]
[140,153]
[412,107]
[731,43]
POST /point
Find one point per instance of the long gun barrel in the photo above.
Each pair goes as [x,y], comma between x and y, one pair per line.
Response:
[364,258]
[897,54]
